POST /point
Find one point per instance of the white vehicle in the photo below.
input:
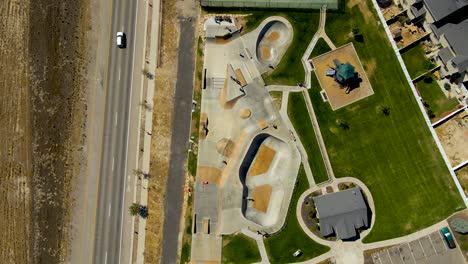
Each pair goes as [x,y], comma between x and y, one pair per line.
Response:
[297,253]
[121,40]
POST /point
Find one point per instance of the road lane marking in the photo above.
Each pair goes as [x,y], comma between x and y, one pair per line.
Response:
[115,120]
[128,130]
[110,206]
[119,74]
[105,258]
[113,159]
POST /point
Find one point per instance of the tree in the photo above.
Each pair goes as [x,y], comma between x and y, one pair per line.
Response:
[143,211]
[134,209]
[357,34]
[386,111]
[147,74]
[343,124]
[430,113]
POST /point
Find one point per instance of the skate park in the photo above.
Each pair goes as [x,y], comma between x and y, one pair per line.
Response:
[247,159]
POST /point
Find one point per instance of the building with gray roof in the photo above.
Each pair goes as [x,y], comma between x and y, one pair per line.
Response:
[440,9]
[448,21]
[343,212]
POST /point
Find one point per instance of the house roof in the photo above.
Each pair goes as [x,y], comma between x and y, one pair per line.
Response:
[346,71]
[342,212]
[442,8]
[455,34]
[445,55]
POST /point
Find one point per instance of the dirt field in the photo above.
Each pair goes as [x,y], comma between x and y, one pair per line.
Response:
[454,137]
[261,196]
[337,96]
[42,113]
[462,175]
[262,161]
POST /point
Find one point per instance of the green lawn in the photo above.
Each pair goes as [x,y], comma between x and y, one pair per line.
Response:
[320,48]
[283,244]
[395,155]
[297,112]
[240,249]
[436,101]
[416,61]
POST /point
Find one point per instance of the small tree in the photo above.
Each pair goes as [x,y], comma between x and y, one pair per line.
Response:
[430,113]
[386,111]
[357,34]
[143,211]
[147,74]
[343,124]
[134,209]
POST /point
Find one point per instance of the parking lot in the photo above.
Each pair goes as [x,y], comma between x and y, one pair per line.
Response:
[428,249]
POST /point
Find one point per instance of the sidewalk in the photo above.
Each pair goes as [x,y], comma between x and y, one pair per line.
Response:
[145,129]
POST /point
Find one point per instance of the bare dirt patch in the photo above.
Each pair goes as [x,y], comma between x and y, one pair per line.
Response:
[337,96]
[462,175]
[42,83]
[261,196]
[454,137]
[15,135]
[262,161]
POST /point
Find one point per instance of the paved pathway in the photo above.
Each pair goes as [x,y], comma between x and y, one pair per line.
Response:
[284,88]
[261,246]
[308,69]
[318,135]
[305,57]
[284,115]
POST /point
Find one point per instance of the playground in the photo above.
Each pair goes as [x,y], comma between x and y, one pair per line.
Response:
[339,95]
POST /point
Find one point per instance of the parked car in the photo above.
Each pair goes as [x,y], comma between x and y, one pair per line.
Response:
[121,40]
[448,237]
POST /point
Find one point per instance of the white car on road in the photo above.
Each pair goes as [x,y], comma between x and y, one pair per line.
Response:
[121,40]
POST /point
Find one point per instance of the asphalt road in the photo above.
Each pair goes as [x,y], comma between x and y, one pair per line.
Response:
[180,135]
[113,170]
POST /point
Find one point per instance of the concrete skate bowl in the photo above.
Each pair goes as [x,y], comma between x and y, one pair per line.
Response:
[263,192]
[273,41]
